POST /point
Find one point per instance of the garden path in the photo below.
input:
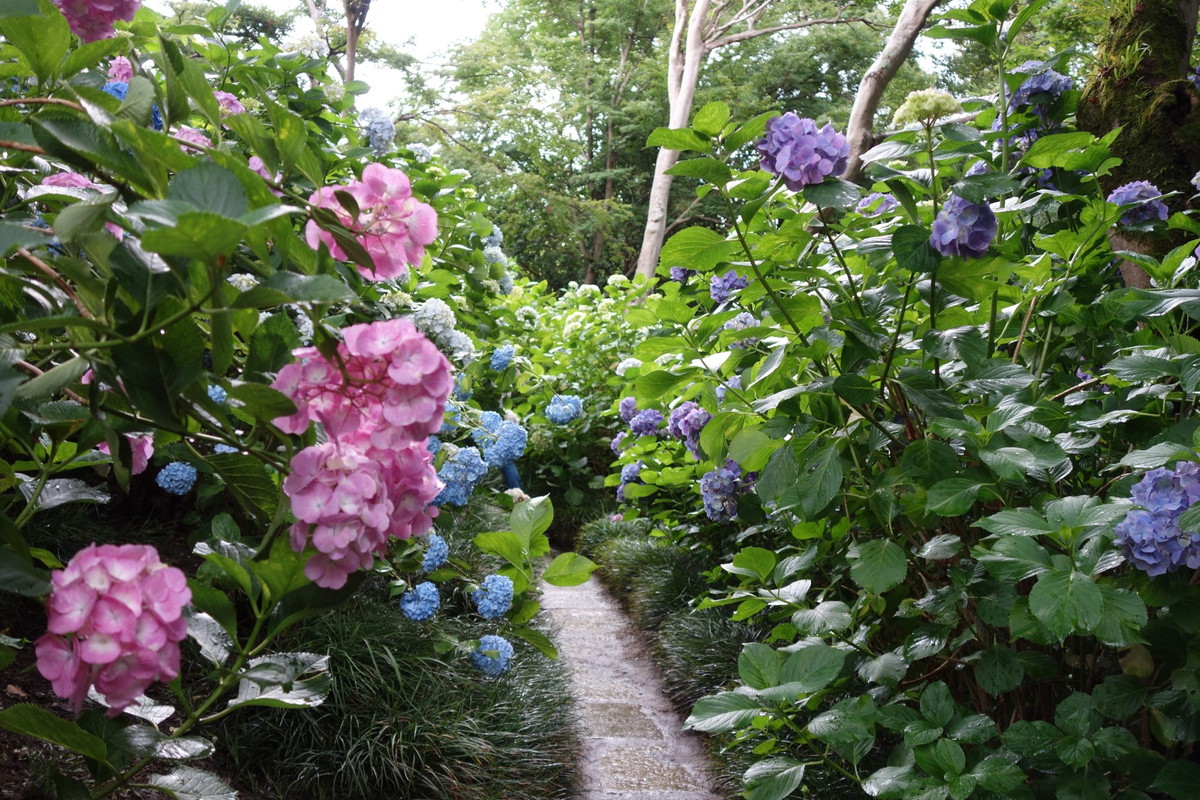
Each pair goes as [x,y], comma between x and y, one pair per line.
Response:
[634,747]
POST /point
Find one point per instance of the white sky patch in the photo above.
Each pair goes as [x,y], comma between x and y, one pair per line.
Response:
[427,29]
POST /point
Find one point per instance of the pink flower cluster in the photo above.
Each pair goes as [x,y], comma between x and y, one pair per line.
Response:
[120,69]
[93,19]
[374,478]
[392,225]
[114,620]
[229,102]
[73,180]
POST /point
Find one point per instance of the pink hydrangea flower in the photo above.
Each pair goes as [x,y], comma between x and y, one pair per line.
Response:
[120,70]
[193,136]
[255,163]
[397,388]
[91,20]
[229,103]
[114,620]
[374,478]
[392,226]
[141,448]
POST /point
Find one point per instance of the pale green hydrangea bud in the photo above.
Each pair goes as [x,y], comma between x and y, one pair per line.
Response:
[926,106]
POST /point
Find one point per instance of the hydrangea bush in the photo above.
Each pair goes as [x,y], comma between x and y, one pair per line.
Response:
[217,306]
[950,466]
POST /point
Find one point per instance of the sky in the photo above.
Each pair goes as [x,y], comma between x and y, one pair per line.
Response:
[425,28]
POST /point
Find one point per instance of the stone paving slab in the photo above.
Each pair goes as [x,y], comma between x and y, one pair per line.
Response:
[634,745]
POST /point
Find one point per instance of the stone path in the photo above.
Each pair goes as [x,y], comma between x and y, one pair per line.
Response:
[633,744]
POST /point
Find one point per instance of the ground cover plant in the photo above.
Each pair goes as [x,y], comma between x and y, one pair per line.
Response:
[225,293]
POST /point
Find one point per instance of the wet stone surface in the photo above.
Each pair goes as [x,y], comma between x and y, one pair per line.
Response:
[634,746]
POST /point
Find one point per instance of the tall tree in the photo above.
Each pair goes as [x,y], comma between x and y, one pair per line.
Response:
[702,26]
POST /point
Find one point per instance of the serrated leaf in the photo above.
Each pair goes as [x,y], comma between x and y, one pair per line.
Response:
[30,720]
[773,779]
[188,783]
[759,666]
[953,497]
[682,139]
[999,670]
[878,566]
[1066,603]
[695,248]
[278,680]
[813,668]
[827,617]
[832,193]
[569,569]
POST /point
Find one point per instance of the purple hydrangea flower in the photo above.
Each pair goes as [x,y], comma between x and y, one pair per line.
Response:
[978,168]
[1142,195]
[720,488]
[801,153]
[722,287]
[645,423]
[1150,535]
[681,274]
[876,203]
[734,383]
[963,229]
[627,408]
[686,422]
[1049,83]
[615,444]
[630,473]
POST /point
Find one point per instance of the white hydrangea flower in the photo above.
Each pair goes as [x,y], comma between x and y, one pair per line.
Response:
[460,346]
[627,364]
[617,280]
[434,317]
[589,290]
[528,315]
[668,358]
[242,281]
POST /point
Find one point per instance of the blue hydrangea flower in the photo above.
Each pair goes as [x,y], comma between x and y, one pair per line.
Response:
[502,357]
[217,394]
[686,422]
[722,287]
[495,238]
[224,448]
[564,408]
[963,229]
[420,602]
[433,444]
[119,89]
[177,478]
[461,392]
[1142,196]
[461,473]
[436,552]
[1150,535]
[420,152]
[801,153]
[646,422]
[494,596]
[500,441]
[719,489]
[506,284]
[493,655]
[734,383]
[379,128]
[492,254]
[875,204]
[978,168]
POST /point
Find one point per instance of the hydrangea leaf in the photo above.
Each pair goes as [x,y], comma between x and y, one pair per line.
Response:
[188,783]
[878,566]
[1066,603]
[773,779]
[569,569]
[30,720]
[722,712]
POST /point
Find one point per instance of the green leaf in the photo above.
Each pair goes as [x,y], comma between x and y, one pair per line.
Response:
[1014,558]
[706,169]
[813,668]
[210,187]
[695,248]
[773,779]
[214,640]
[878,565]
[888,782]
[196,234]
[913,251]
[188,783]
[42,39]
[278,681]
[722,712]
[711,119]
[53,380]
[1119,696]
[950,757]
[827,617]
[832,193]
[248,480]
[504,544]
[1066,603]
[1054,149]
[749,131]
[937,706]
[531,518]
[30,720]
[538,640]
[819,483]
[751,448]
[145,741]
[682,139]
[953,496]
[261,401]
[1178,779]
[1075,751]
[855,389]
[653,385]
[998,774]
[757,561]
[928,461]
[569,569]
[999,670]
[759,666]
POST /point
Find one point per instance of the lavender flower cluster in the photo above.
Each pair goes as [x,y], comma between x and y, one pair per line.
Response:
[630,473]
[720,488]
[686,422]
[1142,199]
[722,287]
[801,153]
[1150,535]
[963,229]
[1048,83]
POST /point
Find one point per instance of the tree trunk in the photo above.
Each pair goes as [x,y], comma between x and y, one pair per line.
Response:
[688,51]
[878,76]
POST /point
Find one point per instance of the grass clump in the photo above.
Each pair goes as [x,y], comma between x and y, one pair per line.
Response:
[401,722]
